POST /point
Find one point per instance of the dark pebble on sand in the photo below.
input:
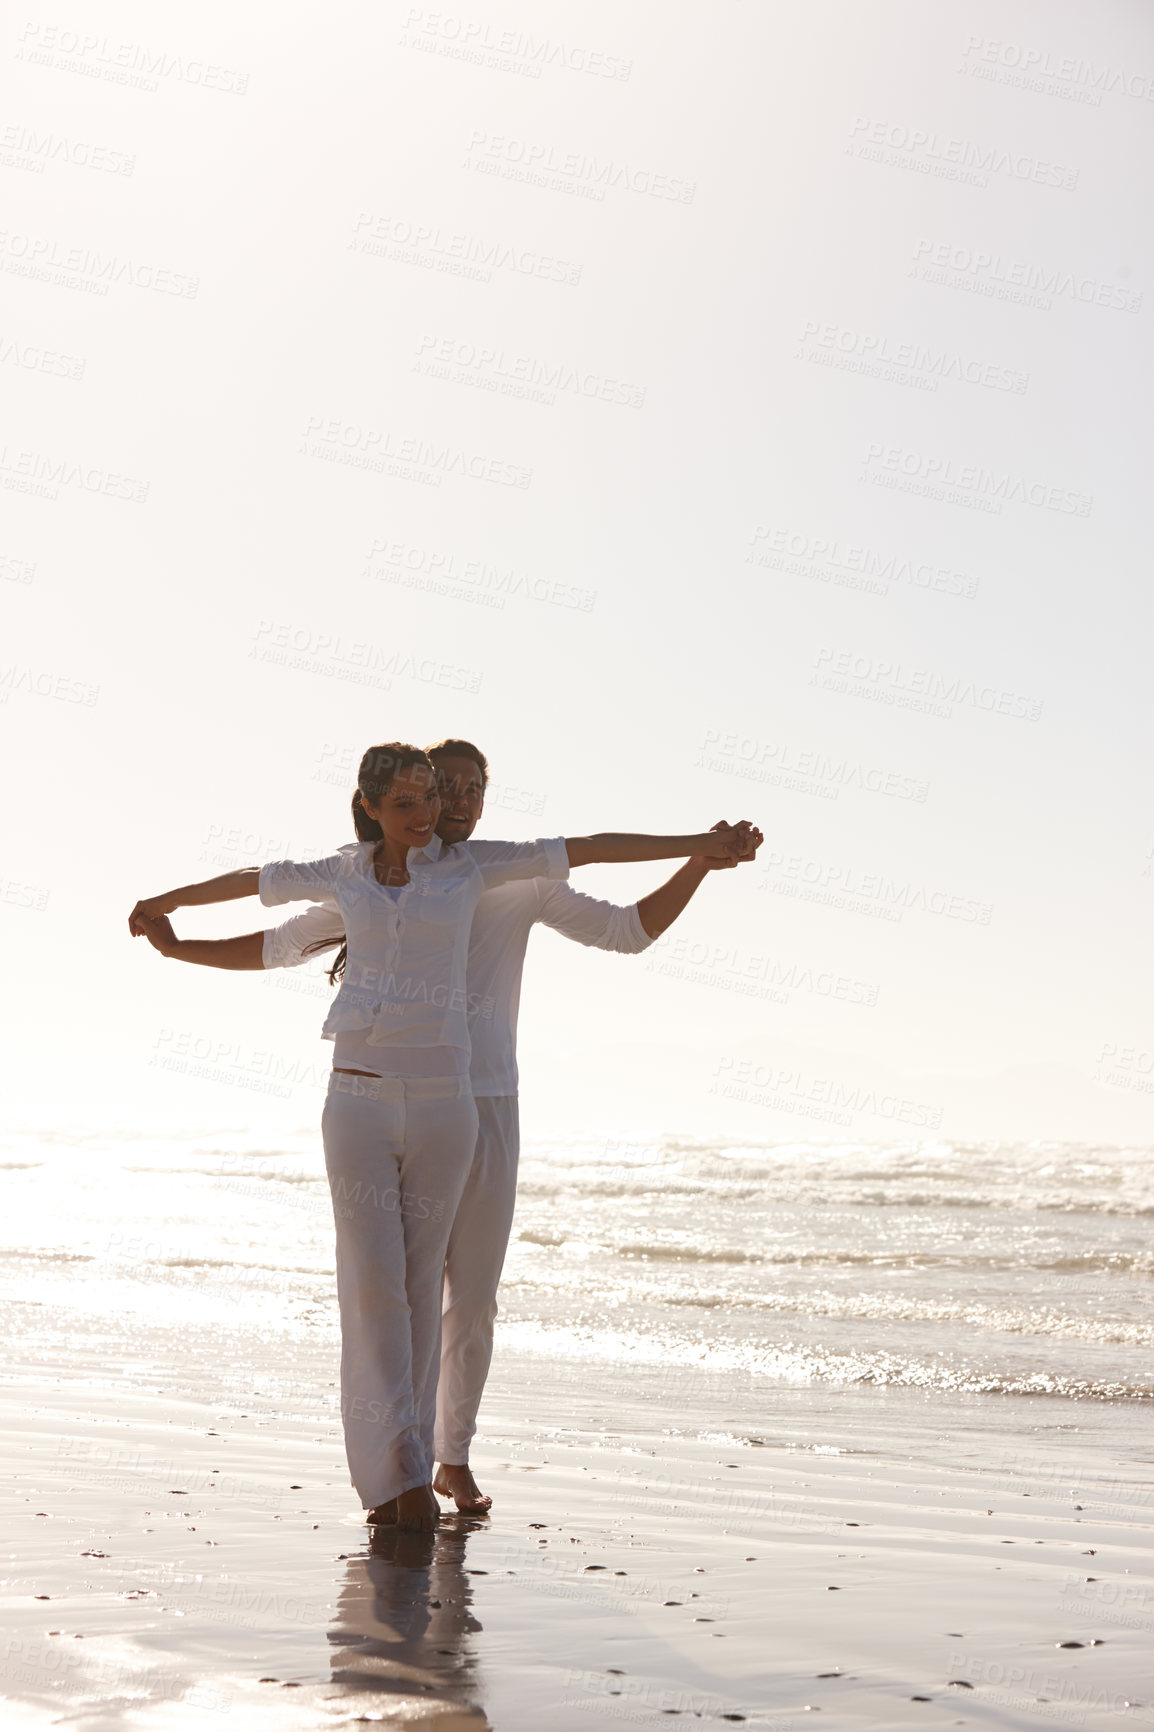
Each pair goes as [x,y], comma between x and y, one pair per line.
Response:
[42,1596]
[664,1602]
[268,1680]
[959,1683]
[1069,1644]
[833,1590]
[290,1686]
[921,1698]
[476,1572]
[436,1605]
[596,1567]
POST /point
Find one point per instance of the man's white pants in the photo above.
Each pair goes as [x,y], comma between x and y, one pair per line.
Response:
[476,1256]
[398,1152]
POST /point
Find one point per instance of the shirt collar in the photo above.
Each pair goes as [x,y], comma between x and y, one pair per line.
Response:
[432,850]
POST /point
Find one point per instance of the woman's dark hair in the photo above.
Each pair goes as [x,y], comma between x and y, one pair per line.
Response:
[462,749]
[380,767]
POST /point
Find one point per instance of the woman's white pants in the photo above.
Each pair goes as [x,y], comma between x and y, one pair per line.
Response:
[476,1256]
[398,1151]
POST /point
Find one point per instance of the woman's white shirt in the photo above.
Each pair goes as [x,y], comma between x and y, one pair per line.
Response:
[404,982]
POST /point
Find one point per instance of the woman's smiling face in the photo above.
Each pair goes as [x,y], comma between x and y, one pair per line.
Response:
[408,811]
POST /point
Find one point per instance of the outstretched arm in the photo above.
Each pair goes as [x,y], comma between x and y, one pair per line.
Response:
[728,842]
[285,946]
[245,952]
[660,908]
[227,888]
[630,928]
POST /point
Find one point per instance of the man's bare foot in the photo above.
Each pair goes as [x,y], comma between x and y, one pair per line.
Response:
[384,1513]
[459,1484]
[418,1510]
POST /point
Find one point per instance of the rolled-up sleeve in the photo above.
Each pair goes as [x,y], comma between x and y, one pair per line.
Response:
[603,925]
[293,941]
[502,862]
[299,880]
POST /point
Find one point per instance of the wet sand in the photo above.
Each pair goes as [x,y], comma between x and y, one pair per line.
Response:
[174,1561]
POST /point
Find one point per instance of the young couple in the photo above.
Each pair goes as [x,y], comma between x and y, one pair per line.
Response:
[420,1123]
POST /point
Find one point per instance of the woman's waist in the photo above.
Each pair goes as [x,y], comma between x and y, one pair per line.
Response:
[398,1088]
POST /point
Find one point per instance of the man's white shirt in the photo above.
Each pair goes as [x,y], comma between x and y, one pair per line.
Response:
[502,922]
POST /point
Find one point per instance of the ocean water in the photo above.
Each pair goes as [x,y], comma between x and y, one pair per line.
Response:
[758,1280]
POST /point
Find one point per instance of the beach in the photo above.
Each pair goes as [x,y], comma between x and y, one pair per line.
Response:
[768,1435]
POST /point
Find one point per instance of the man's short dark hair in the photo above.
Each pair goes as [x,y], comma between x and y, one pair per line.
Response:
[462,749]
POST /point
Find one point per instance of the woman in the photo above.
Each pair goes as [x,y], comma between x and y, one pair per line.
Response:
[399,1122]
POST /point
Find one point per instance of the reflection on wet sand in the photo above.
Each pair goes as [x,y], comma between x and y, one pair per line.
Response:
[403,1623]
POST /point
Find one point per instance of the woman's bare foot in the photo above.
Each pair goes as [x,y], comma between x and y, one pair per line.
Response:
[418,1510]
[459,1484]
[384,1513]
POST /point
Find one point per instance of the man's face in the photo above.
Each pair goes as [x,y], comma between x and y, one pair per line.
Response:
[462,797]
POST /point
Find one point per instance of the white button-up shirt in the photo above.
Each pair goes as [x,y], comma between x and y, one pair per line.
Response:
[502,923]
[405,981]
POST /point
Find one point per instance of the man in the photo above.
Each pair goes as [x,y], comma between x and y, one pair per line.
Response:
[500,933]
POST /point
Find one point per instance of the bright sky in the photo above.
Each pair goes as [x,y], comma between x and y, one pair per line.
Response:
[738,412]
